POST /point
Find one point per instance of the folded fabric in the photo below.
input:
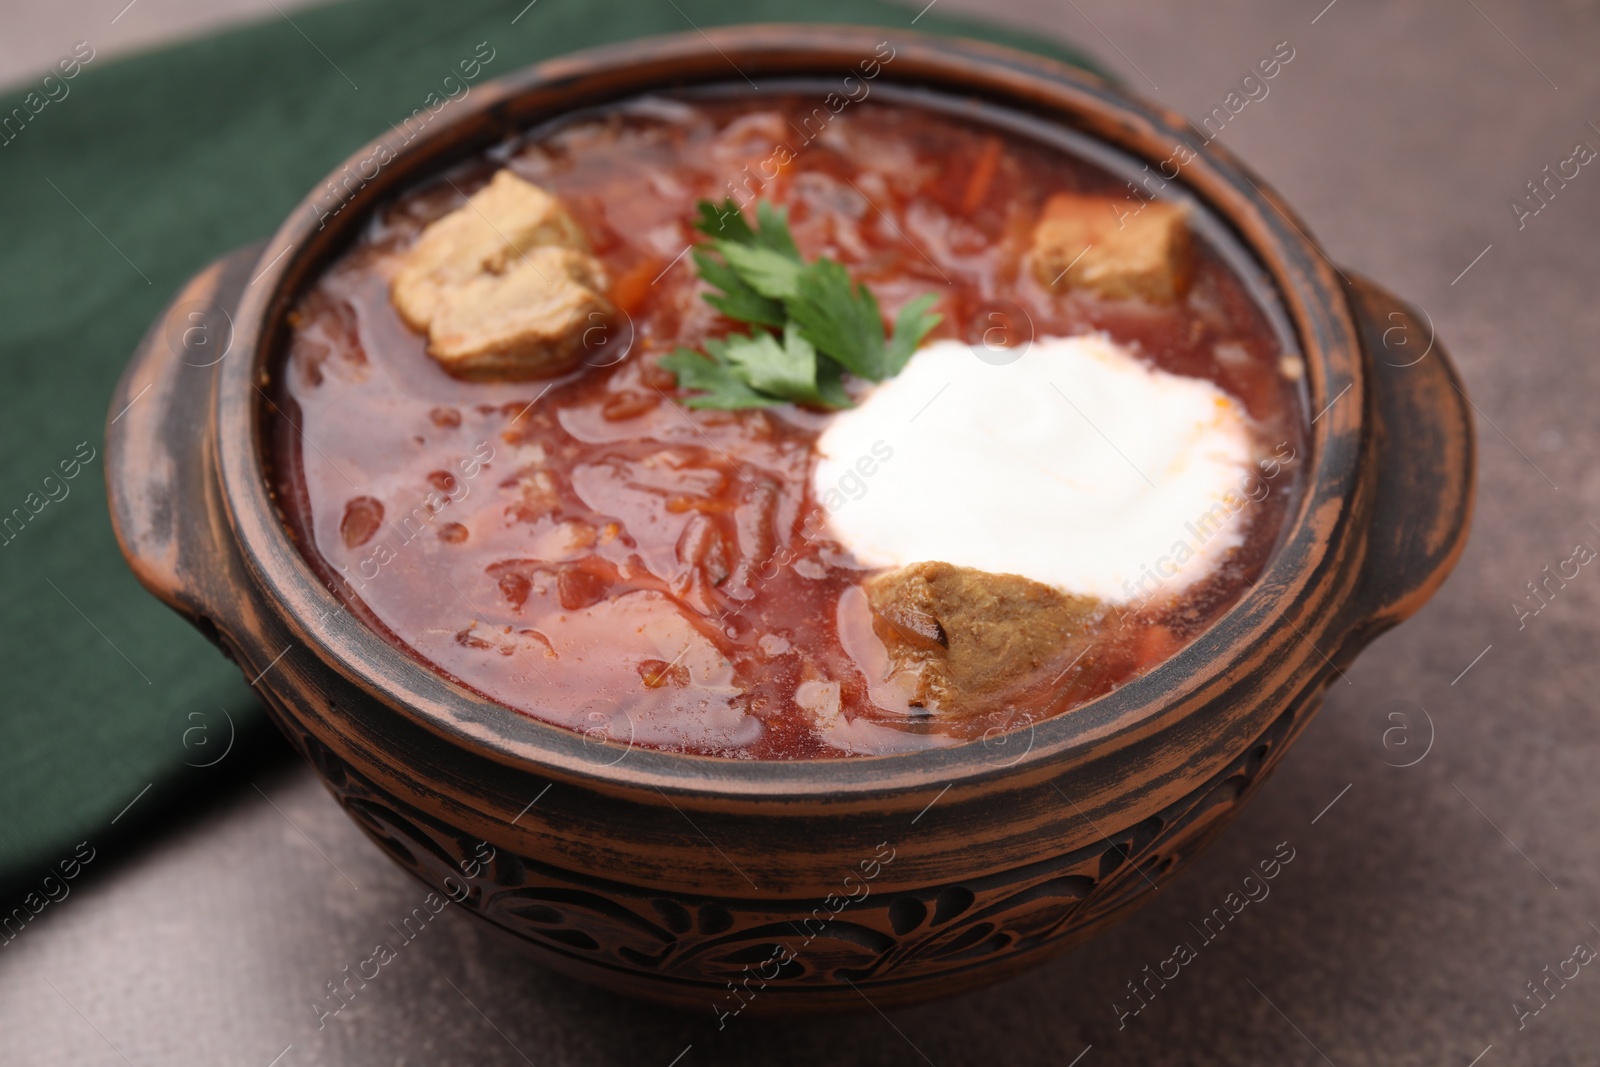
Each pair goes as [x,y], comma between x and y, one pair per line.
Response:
[119,180]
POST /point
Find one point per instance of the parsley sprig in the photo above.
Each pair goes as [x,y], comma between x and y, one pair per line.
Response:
[810,321]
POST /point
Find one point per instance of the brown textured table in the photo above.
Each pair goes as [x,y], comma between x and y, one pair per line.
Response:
[1420,899]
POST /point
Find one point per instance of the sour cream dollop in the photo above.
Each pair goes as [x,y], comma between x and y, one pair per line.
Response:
[1077,465]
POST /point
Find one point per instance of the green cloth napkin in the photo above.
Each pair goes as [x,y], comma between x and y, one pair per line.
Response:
[126,178]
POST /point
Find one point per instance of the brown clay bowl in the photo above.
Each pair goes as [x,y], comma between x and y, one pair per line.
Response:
[806,885]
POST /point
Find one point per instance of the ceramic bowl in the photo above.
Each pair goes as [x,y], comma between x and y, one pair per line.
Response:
[728,885]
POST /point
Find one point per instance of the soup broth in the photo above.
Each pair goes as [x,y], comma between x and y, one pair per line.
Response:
[591,551]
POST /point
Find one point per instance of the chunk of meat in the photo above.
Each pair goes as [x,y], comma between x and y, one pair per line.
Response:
[966,637]
[1117,247]
[527,323]
[499,223]
[504,286]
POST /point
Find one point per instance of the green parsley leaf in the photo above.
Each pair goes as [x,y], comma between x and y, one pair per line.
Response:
[830,383]
[768,273]
[841,318]
[829,323]
[774,233]
[725,222]
[910,327]
[714,378]
[753,268]
[737,299]
[786,368]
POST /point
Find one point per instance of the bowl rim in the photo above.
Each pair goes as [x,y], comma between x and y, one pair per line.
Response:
[1157,700]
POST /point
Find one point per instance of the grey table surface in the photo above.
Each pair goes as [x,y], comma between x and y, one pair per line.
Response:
[1422,900]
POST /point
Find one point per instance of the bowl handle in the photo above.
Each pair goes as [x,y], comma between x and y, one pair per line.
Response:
[160,469]
[1425,453]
